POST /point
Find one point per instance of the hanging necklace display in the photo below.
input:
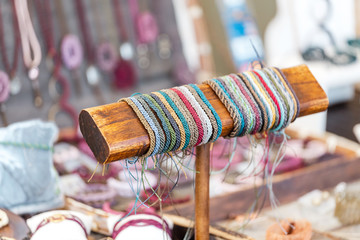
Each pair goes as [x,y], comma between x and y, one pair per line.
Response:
[10,69]
[164,40]
[60,101]
[92,73]
[30,47]
[146,29]
[70,47]
[106,55]
[124,71]
[207,66]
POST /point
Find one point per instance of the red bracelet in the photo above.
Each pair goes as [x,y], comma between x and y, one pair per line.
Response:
[270,93]
[193,113]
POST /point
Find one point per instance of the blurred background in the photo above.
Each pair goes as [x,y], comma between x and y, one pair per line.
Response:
[168,43]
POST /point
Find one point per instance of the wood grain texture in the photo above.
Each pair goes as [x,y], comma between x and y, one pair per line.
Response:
[202,192]
[113,131]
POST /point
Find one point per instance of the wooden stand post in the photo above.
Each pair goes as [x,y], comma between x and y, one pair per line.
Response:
[202,192]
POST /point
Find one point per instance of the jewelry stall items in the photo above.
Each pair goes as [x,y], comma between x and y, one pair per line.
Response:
[124,71]
[92,72]
[106,55]
[60,100]
[30,47]
[10,68]
[70,47]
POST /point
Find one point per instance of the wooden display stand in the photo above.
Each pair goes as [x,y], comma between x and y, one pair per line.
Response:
[113,132]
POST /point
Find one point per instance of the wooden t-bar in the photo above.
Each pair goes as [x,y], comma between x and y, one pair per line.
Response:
[114,132]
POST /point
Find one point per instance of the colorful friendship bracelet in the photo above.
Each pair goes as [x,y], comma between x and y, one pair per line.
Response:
[204,119]
[193,114]
[183,128]
[253,104]
[258,101]
[179,114]
[267,93]
[270,99]
[175,127]
[207,103]
[264,99]
[159,133]
[194,130]
[213,121]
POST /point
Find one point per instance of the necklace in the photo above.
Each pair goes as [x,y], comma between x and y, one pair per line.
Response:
[207,67]
[10,69]
[60,101]
[31,48]
[92,73]
[70,47]
[106,55]
[145,23]
[146,29]
[124,72]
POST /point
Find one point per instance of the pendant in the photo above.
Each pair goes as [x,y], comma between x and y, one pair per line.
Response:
[147,27]
[92,75]
[124,75]
[15,85]
[143,58]
[33,75]
[106,56]
[164,46]
[126,51]
[71,51]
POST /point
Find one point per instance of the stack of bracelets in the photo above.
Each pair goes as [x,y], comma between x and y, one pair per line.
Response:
[178,118]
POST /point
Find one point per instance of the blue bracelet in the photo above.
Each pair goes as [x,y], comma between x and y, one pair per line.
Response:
[181,117]
[151,123]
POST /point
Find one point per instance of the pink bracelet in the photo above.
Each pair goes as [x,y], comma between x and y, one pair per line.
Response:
[193,113]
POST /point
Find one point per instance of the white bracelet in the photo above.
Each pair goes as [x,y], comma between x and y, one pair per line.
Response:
[205,121]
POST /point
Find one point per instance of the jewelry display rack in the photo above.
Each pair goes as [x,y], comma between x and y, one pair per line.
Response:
[113,132]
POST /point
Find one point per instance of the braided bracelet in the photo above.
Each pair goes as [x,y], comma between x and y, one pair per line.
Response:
[284,94]
[271,98]
[263,111]
[194,114]
[207,111]
[174,129]
[239,101]
[139,113]
[218,130]
[169,132]
[201,113]
[288,90]
[259,91]
[230,105]
[250,99]
[296,100]
[194,132]
[183,127]
[159,134]
[278,100]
